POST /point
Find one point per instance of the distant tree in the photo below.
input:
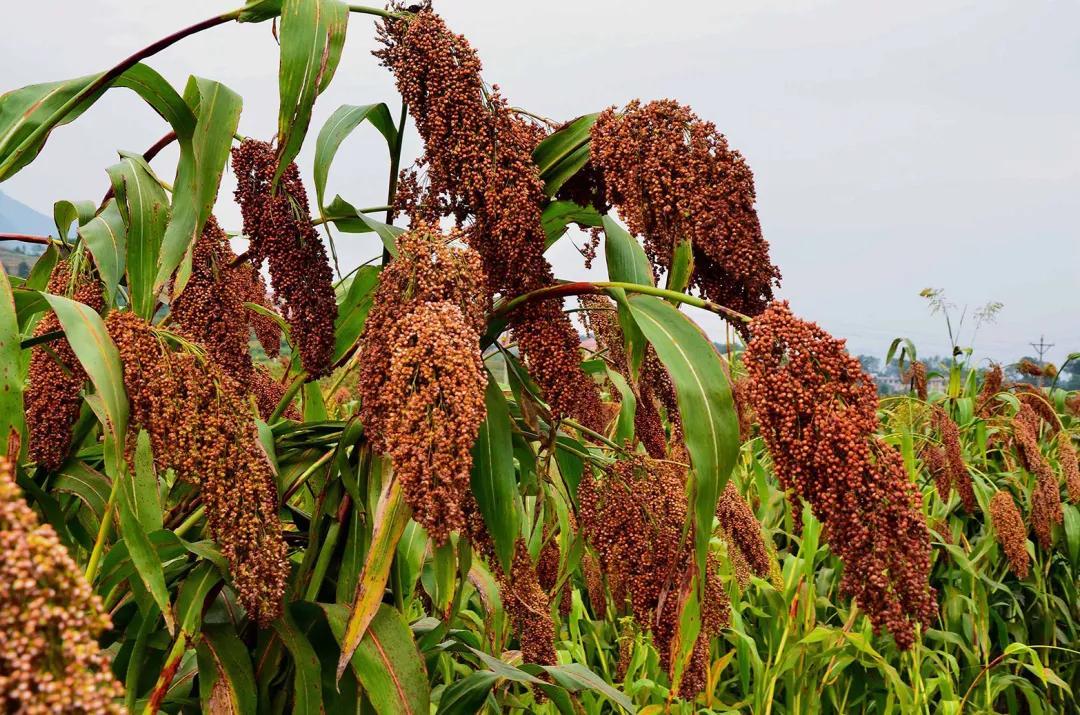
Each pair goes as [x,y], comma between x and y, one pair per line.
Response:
[23,270]
[870,363]
[1070,376]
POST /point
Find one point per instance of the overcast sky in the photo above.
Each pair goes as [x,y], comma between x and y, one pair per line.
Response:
[896,146]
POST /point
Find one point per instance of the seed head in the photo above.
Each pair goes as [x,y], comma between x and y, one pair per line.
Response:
[479,170]
[959,476]
[1069,468]
[278,222]
[50,619]
[817,414]
[201,427]
[1010,531]
[673,177]
[740,529]
[56,377]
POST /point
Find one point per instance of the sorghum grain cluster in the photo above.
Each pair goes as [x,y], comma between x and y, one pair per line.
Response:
[959,476]
[50,620]
[199,426]
[478,168]
[1011,532]
[421,378]
[278,222]
[56,377]
[673,177]
[1045,495]
[817,413]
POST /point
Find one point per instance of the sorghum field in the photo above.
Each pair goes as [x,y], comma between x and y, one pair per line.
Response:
[237,482]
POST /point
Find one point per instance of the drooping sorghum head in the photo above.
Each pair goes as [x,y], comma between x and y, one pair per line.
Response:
[56,377]
[1045,495]
[278,222]
[673,177]
[1070,470]
[479,169]
[434,401]
[210,308]
[742,531]
[50,619]
[201,427]
[634,516]
[937,464]
[1029,368]
[916,375]
[959,476]
[523,597]
[429,269]
[817,414]
[1010,531]
[985,405]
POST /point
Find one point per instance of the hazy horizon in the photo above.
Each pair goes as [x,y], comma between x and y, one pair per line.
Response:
[933,144]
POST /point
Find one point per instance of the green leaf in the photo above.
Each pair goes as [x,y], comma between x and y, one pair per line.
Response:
[260,10]
[147,500]
[11,381]
[29,114]
[624,427]
[88,485]
[147,565]
[575,676]
[560,155]
[626,259]
[353,307]
[558,215]
[156,91]
[106,237]
[347,218]
[198,174]
[226,678]
[67,212]
[145,209]
[346,118]
[391,515]
[312,35]
[192,597]
[710,425]
[90,341]
[386,662]
[493,480]
[467,696]
[682,266]
[307,679]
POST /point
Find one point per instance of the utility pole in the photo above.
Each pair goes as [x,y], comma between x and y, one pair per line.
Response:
[1041,347]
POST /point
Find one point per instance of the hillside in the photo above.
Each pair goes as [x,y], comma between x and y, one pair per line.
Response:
[17,217]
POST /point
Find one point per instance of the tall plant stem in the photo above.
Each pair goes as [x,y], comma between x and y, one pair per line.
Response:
[103,533]
[563,290]
[28,238]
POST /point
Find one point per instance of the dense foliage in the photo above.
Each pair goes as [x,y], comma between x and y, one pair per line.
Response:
[231,482]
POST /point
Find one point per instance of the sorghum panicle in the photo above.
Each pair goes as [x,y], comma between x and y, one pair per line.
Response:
[742,531]
[916,375]
[1066,451]
[673,177]
[50,619]
[1045,495]
[633,516]
[56,377]
[959,476]
[1010,531]
[525,600]
[817,413]
[479,168]
[200,426]
[211,310]
[421,377]
[278,222]
[434,398]
[985,405]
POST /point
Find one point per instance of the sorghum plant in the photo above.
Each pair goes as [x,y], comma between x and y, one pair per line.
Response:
[232,483]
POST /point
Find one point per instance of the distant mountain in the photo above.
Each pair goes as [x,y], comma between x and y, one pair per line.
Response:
[17,217]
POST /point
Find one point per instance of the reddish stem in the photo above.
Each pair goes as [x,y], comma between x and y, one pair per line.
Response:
[26,238]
